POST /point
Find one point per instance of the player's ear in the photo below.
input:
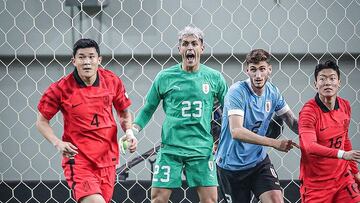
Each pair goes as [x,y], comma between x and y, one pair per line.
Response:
[73,61]
[270,69]
[100,59]
[315,85]
[202,47]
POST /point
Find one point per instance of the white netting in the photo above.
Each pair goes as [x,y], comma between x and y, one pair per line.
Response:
[137,39]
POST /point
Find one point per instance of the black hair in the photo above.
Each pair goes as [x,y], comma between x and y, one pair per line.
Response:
[327,65]
[85,43]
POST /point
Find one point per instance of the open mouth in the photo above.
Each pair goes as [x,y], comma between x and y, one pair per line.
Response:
[190,56]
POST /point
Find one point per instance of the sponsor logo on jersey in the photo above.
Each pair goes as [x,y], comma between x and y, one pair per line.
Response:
[267,106]
[273,172]
[228,198]
[206,88]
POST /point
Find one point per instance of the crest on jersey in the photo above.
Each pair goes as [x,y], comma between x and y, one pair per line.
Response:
[206,88]
[211,165]
[267,106]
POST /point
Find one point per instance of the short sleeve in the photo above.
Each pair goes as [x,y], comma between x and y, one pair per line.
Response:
[121,99]
[235,101]
[281,105]
[49,103]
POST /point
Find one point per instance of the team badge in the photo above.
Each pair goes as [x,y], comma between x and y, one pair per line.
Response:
[211,165]
[267,106]
[206,88]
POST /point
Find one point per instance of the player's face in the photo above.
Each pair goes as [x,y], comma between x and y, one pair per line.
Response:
[258,74]
[190,49]
[327,83]
[87,62]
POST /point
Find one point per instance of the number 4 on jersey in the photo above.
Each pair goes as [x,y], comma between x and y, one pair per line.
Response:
[95,120]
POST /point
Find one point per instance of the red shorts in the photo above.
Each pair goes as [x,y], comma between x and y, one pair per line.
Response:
[86,179]
[347,191]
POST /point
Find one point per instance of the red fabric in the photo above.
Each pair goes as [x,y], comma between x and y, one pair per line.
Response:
[86,179]
[89,123]
[347,192]
[322,134]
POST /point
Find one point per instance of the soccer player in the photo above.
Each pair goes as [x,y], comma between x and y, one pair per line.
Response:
[328,168]
[242,160]
[187,91]
[89,144]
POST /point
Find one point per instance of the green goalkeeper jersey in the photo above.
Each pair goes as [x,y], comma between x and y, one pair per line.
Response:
[188,100]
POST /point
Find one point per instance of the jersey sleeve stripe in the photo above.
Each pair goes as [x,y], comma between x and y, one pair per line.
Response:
[236,112]
[283,110]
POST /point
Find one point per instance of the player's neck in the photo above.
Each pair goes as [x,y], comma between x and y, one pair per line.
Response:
[190,69]
[329,102]
[258,91]
[89,81]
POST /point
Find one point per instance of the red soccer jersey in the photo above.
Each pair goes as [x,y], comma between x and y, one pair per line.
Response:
[87,112]
[322,134]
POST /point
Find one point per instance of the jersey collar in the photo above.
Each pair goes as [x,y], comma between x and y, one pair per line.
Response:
[80,82]
[322,105]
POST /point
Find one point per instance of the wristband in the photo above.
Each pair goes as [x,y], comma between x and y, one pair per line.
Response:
[135,130]
[340,154]
[130,132]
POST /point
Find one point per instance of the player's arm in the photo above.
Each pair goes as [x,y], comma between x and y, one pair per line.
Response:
[125,119]
[291,121]
[241,133]
[308,139]
[152,101]
[66,148]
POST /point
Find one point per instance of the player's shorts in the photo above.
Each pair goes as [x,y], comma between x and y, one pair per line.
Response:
[199,171]
[236,186]
[347,191]
[86,179]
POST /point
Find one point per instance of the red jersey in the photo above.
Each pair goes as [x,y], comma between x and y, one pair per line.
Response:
[89,122]
[323,133]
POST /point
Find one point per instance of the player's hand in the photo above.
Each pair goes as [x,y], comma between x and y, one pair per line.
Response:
[215,147]
[130,137]
[357,178]
[66,148]
[285,145]
[353,155]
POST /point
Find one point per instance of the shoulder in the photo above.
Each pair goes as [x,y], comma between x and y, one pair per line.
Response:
[239,87]
[343,102]
[310,106]
[63,83]
[175,69]
[108,74]
[272,88]
[210,71]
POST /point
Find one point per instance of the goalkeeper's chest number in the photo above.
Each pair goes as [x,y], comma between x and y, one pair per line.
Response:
[191,109]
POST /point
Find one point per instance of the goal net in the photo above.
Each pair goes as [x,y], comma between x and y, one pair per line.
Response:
[138,38]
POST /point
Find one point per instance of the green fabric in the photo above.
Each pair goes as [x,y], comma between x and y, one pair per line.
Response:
[199,171]
[188,100]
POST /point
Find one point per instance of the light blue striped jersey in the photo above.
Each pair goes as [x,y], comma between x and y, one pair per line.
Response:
[257,112]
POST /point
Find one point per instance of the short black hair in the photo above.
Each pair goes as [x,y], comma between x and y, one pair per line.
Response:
[85,43]
[327,65]
[257,55]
